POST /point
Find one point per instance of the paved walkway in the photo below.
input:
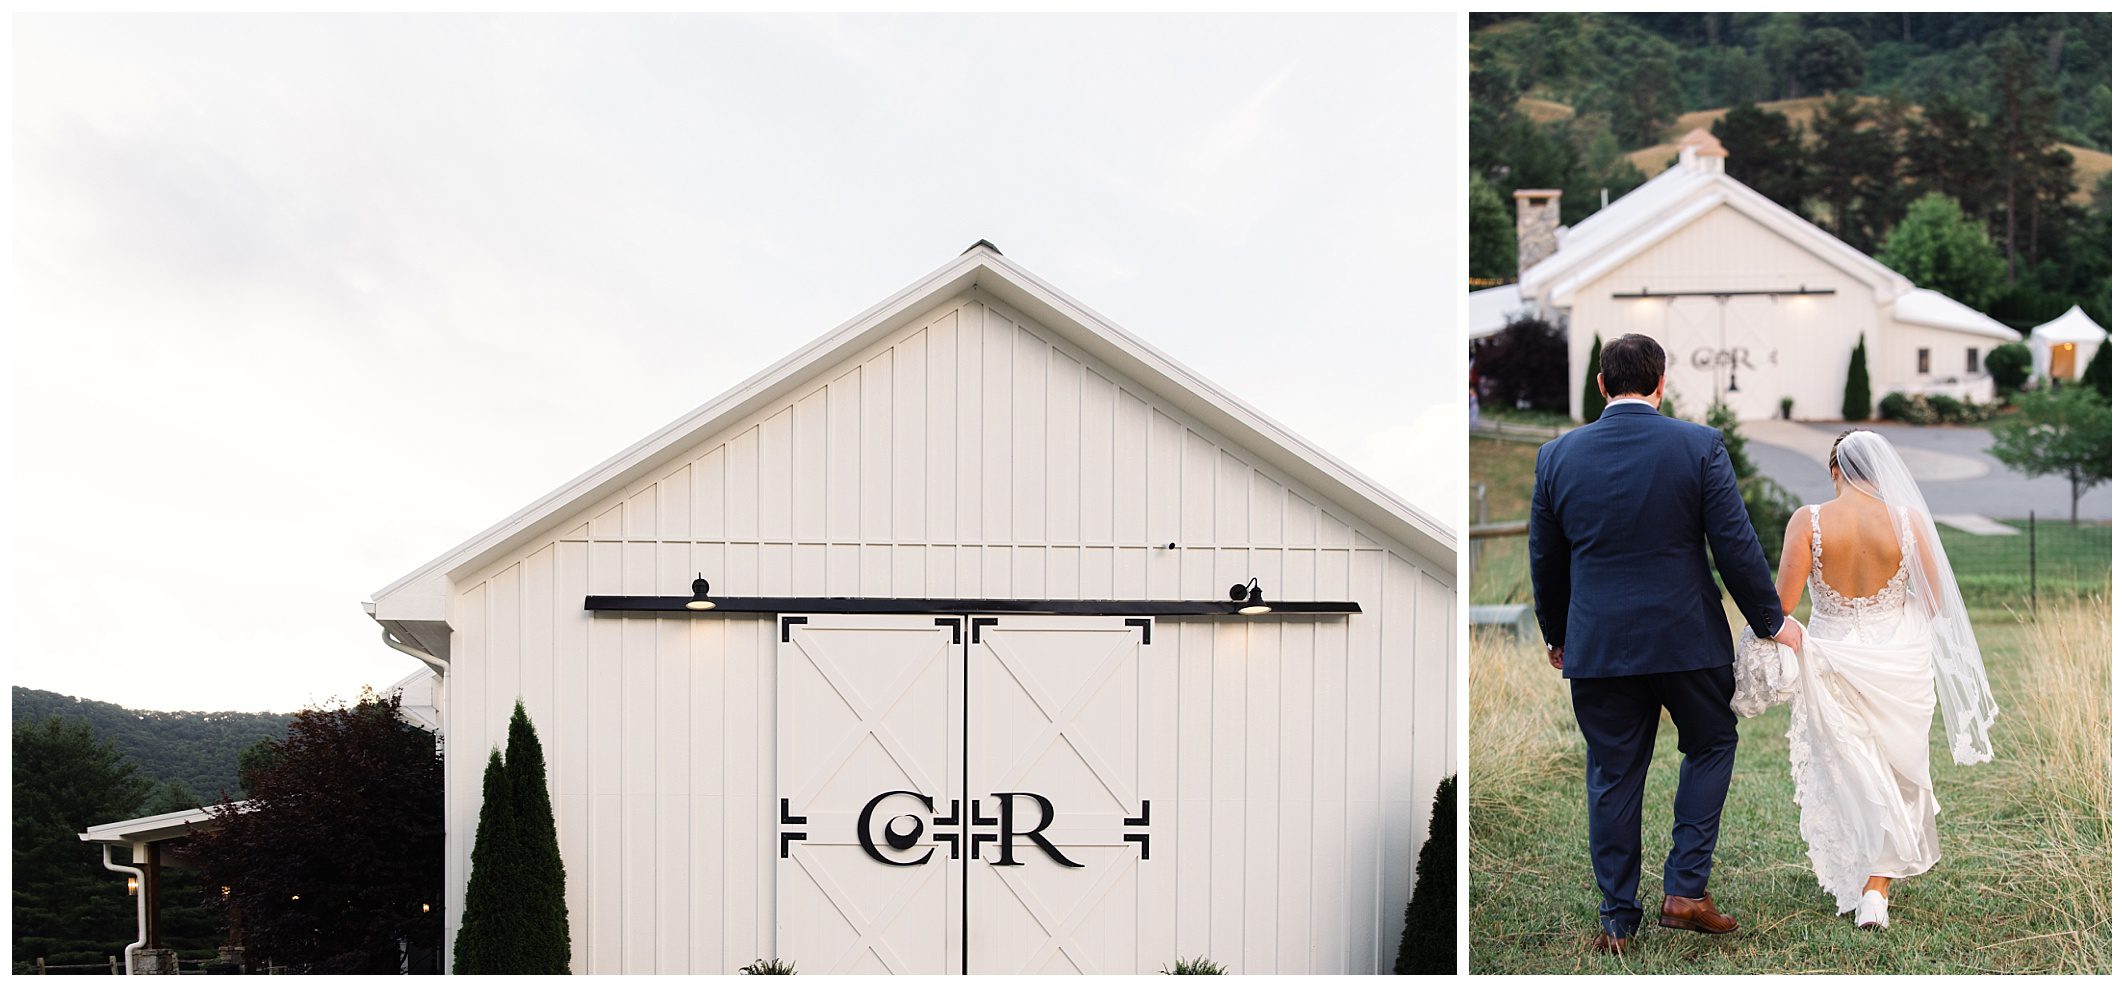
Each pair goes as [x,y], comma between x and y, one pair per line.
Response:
[1948,461]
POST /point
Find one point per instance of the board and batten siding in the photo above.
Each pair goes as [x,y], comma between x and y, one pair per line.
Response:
[1725,249]
[971,454]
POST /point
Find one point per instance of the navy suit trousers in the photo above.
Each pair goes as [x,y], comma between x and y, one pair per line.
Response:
[1620,720]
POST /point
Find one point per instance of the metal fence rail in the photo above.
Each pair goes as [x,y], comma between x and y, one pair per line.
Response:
[2042,560]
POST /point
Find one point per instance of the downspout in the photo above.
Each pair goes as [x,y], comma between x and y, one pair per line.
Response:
[139,900]
[438,665]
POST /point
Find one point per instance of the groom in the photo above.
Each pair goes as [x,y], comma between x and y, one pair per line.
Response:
[1623,508]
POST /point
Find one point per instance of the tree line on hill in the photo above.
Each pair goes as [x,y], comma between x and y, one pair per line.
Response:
[1988,138]
[183,755]
[333,866]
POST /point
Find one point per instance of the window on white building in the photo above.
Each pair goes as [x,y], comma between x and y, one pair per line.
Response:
[1924,361]
[1974,366]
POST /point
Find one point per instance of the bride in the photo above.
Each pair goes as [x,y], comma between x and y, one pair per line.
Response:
[1889,639]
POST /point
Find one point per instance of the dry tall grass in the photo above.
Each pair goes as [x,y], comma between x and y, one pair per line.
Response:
[2059,707]
[1521,722]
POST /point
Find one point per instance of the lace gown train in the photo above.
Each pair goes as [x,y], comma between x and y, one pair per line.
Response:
[1860,726]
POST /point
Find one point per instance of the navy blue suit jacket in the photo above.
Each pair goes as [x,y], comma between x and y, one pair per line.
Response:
[1622,510]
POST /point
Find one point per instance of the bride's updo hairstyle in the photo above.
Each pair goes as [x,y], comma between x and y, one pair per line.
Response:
[1856,478]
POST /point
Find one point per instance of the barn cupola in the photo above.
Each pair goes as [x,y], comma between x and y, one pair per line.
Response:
[1702,152]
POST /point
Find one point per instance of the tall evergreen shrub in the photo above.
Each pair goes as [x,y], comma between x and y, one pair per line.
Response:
[2097,375]
[544,896]
[516,906]
[488,936]
[1590,403]
[1428,943]
[1858,386]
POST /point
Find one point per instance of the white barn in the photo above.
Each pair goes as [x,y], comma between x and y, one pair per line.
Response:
[1753,303]
[972,696]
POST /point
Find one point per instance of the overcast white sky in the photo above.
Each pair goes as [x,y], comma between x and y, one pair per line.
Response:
[263,267]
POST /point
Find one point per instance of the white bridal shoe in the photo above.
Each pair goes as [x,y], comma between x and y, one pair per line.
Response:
[1872,911]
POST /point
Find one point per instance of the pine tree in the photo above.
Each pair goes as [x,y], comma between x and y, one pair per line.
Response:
[2097,375]
[1590,403]
[491,939]
[1428,940]
[544,898]
[67,908]
[1858,387]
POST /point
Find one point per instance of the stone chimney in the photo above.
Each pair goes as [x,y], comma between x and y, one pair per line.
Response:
[1702,152]
[1540,215]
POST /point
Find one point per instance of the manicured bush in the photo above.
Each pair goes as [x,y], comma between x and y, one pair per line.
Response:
[544,881]
[1858,386]
[2009,365]
[1429,943]
[1898,407]
[1946,409]
[1590,403]
[516,911]
[1770,507]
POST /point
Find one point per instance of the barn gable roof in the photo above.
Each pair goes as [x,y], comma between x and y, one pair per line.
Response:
[412,607]
[1673,199]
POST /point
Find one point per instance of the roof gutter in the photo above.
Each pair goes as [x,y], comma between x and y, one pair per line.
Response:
[139,902]
[438,665]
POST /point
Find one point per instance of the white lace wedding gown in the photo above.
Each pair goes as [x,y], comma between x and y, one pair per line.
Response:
[1860,726]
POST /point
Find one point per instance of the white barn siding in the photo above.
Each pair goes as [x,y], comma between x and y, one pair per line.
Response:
[1724,250]
[972,455]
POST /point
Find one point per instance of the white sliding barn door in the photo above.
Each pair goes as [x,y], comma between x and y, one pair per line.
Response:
[867,707]
[1065,878]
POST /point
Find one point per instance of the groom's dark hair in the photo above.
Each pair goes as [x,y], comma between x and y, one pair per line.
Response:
[1632,364]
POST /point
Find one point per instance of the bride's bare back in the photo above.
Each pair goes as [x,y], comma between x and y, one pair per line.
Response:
[1860,551]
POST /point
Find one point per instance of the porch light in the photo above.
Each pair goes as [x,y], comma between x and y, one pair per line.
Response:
[132,885]
[1248,595]
[700,599]
[424,908]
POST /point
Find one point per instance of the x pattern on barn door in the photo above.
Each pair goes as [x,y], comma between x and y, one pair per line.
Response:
[897,735]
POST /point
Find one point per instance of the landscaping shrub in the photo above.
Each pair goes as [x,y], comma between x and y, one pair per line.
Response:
[1428,941]
[1526,365]
[1198,965]
[1858,386]
[2009,365]
[1590,403]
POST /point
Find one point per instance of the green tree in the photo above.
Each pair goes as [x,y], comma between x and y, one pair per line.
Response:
[1429,939]
[1590,403]
[1493,244]
[2063,432]
[1937,247]
[171,796]
[1763,151]
[2009,365]
[543,898]
[2020,136]
[1858,386]
[339,850]
[1830,61]
[491,933]
[1645,100]
[1852,168]
[67,908]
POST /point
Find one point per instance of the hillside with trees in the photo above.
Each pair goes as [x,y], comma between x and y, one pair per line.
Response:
[195,750]
[1848,119]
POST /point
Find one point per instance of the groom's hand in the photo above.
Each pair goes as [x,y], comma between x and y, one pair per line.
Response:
[1556,658]
[1792,635]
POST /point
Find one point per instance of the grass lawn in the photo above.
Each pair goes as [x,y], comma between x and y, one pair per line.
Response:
[2023,885]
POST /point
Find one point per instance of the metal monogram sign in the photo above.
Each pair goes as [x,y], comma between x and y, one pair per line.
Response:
[903,829]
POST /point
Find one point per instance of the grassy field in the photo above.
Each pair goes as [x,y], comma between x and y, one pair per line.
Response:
[2023,885]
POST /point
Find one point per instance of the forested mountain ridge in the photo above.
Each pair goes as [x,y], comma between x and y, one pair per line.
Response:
[1849,120]
[195,749]
[1640,66]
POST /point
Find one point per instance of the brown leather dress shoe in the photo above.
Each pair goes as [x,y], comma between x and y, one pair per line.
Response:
[1605,943]
[1695,915]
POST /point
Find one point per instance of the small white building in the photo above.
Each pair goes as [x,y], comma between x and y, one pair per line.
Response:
[2063,347]
[1753,302]
[966,691]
